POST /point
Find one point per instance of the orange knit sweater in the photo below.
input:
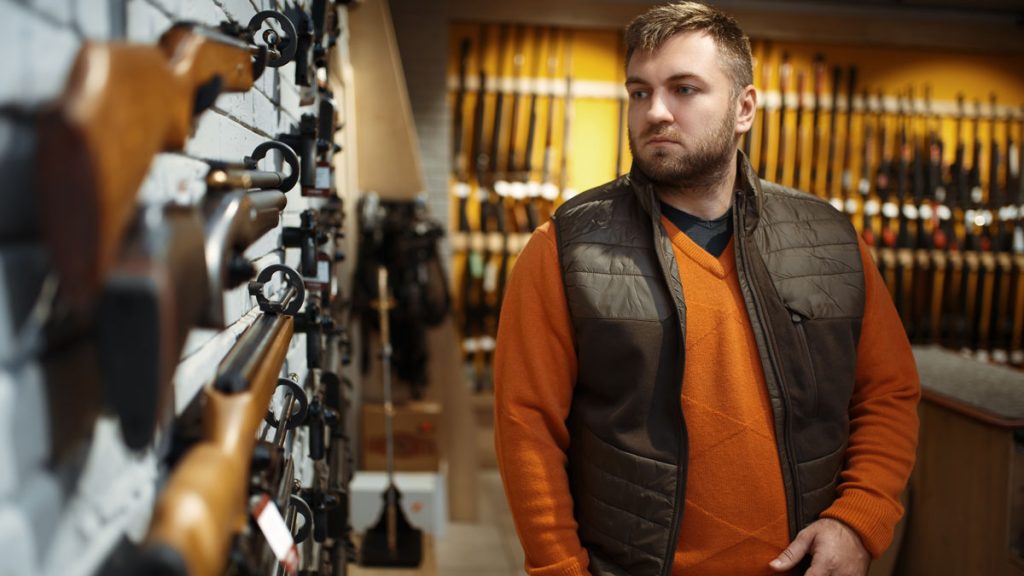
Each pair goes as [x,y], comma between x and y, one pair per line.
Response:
[734,518]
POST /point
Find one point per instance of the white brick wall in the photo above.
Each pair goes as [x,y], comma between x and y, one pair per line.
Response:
[61,516]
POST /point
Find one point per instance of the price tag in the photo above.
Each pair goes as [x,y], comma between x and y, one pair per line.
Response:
[323,273]
[278,536]
[322,183]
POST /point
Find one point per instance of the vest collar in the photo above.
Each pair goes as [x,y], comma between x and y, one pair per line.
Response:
[749,196]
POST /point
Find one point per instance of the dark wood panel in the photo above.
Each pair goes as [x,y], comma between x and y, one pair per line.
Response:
[959,500]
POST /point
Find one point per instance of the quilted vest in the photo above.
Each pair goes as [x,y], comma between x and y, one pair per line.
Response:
[801,276]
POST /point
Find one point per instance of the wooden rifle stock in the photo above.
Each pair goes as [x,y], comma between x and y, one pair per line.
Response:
[122,104]
[205,501]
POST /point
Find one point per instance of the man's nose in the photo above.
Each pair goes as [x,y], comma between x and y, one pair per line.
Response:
[658,112]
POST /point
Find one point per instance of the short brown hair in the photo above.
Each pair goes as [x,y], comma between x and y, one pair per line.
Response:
[653,28]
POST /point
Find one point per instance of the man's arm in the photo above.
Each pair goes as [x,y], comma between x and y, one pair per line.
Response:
[534,374]
[883,440]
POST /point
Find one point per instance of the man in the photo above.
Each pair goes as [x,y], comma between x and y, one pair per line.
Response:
[698,372]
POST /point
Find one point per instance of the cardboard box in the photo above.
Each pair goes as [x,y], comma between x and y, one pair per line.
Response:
[416,437]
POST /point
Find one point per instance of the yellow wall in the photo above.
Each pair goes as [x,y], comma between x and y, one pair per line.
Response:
[596,57]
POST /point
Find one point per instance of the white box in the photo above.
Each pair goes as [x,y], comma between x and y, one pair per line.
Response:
[423,499]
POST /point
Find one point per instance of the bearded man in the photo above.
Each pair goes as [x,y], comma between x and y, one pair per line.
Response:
[698,372]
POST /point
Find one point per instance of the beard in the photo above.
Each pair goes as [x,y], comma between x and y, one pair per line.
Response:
[708,158]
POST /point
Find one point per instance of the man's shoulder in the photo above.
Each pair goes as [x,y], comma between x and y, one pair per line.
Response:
[596,196]
[601,214]
[786,204]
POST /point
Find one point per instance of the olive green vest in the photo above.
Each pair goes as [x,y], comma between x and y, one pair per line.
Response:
[801,276]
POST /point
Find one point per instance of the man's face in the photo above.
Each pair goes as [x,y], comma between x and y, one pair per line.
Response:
[682,111]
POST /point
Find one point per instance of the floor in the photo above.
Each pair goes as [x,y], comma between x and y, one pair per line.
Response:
[487,548]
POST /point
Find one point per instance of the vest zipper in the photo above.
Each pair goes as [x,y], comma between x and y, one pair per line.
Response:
[770,351]
[683,456]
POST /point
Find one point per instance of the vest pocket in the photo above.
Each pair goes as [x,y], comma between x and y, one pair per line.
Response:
[799,325]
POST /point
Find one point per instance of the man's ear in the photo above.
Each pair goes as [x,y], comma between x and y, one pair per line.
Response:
[746,110]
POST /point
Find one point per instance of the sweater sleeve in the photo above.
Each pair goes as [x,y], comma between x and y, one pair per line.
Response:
[883,421]
[534,375]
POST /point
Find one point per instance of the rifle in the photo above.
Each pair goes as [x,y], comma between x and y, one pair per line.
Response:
[849,204]
[941,218]
[837,73]
[204,503]
[512,188]
[870,206]
[460,168]
[472,299]
[460,164]
[620,132]
[953,292]
[1017,285]
[502,188]
[169,277]
[996,262]
[548,190]
[903,274]
[762,161]
[921,273]
[748,137]
[92,138]
[531,189]
[819,87]
[780,159]
[889,209]
[799,152]
[971,276]
[567,114]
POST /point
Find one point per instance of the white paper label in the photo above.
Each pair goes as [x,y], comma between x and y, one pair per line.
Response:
[278,536]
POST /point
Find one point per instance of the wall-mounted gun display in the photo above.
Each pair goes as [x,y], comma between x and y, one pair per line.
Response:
[169,277]
[206,501]
[104,144]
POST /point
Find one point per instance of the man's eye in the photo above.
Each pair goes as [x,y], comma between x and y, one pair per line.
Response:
[686,90]
[637,94]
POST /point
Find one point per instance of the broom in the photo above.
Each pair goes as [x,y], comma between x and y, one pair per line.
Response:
[393,541]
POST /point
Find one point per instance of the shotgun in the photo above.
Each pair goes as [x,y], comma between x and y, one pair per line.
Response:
[567,116]
[1016,213]
[103,144]
[846,180]
[837,74]
[548,189]
[169,277]
[762,152]
[780,158]
[205,502]
[819,87]
[869,206]
[798,153]
[474,269]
